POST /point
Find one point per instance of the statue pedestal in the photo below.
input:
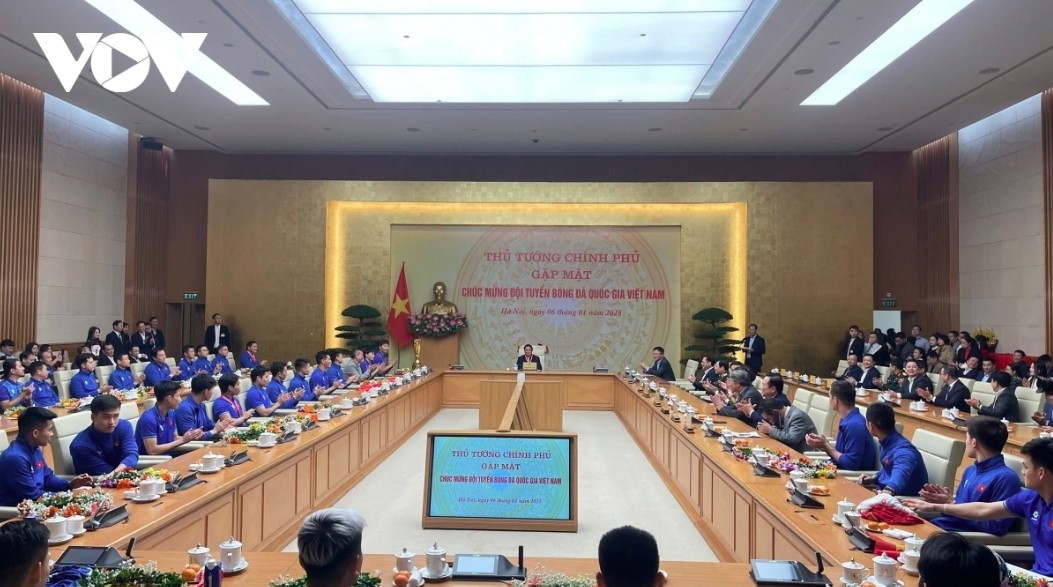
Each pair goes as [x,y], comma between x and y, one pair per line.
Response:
[440,353]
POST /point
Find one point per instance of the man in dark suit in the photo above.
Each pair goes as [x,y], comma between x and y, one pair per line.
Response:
[1005,405]
[661,367]
[954,393]
[741,391]
[874,348]
[141,339]
[853,372]
[121,343]
[869,377]
[156,334]
[972,369]
[753,347]
[528,361]
[108,358]
[217,334]
[987,370]
[854,345]
[709,374]
[916,382]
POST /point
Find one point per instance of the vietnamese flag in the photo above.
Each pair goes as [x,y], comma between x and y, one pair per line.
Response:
[398,315]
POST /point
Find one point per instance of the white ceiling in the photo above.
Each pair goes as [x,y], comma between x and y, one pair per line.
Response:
[933,90]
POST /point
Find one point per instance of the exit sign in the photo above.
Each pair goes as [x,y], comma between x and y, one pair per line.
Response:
[888,303]
[190,295]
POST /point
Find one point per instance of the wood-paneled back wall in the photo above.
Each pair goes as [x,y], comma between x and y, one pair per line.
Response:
[21,154]
[936,259]
[146,266]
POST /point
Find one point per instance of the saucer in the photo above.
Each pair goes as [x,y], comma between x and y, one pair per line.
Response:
[239,568]
[429,577]
[209,471]
[873,579]
[60,539]
[146,498]
[82,531]
[911,572]
[837,520]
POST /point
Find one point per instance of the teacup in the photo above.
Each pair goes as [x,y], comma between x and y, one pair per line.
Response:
[152,486]
[801,485]
[795,475]
[910,560]
[294,427]
[844,506]
[56,526]
[885,570]
[852,573]
[945,413]
[729,436]
[1045,435]
[212,461]
[346,403]
[762,458]
[75,525]
[913,544]
[230,554]
[267,439]
[708,422]
[198,555]
[324,414]
[954,412]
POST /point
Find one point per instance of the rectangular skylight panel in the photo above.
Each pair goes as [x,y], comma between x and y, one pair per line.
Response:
[908,31]
[531,84]
[527,39]
[516,6]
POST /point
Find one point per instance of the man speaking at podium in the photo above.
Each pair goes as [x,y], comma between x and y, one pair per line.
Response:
[661,367]
[528,361]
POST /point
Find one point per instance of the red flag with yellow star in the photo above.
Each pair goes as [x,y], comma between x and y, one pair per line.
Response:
[398,315]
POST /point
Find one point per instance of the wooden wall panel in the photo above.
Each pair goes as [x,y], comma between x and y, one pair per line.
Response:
[147,242]
[21,154]
[1047,204]
[936,267]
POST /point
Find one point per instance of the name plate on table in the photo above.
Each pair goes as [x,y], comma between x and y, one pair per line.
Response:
[529,366]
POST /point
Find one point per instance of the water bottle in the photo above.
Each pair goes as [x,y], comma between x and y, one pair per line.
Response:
[213,574]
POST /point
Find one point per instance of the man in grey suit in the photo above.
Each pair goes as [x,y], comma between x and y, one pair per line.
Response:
[1005,405]
[741,391]
[786,424]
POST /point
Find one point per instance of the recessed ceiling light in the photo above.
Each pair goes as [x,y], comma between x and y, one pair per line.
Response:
[261,72]
[413,129]
[989,70]
[538,51]
[199,127]
[743,130]
[326,128]
[140,22]
[804,72]
[834,43]
[654,129]
[228,44]
[918,23]
[886,128]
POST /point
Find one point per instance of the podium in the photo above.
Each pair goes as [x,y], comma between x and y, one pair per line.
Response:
[440,353]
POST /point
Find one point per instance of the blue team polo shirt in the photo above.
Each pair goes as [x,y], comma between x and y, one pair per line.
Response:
[186,369]
[247,361]
[275,389]
[44,396]
[855,443]
[202,364]
[902,468]
[153,425]
[318,379]
[989,481]
[25,474]
[122,379]
[256,397]
[224,365]
[96,453]
[9,390]
[83,385]
[156,373]
[224,406]
[298,382]
[191,415]
[1028,505]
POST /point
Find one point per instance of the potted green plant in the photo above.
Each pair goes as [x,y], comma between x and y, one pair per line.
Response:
[712,337]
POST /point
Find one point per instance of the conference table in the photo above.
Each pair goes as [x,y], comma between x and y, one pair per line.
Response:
[263,501]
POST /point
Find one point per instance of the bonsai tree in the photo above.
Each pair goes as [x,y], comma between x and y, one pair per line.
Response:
[366,332]
[712,338]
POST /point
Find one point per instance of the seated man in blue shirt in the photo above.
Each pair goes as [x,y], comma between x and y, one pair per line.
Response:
[201,363]
[248,359]
[1034,504]
[256,400]
[26,474]
[902,469]
[158,370]
[12,392]
[382,359]
[108,444]
[989,479]
[156,434]
[121,378]
[191,413]
[300,385]
[227,406]
[83,384]
[334,375]
[186,364]
[279,370]
[853,449]
[44,396]
[320,384]
[221,364]
[25,547]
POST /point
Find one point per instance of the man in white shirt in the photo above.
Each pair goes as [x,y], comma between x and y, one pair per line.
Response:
[217,334]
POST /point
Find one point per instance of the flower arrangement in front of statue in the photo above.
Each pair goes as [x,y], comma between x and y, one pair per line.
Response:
[437,325]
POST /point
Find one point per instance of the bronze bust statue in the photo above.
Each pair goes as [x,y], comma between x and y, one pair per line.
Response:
[439,305]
